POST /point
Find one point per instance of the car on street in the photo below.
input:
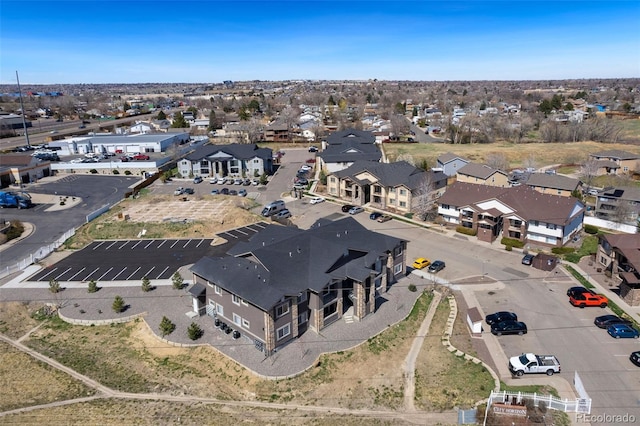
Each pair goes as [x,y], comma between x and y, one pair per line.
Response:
[436,266]
[313,149]
[242,192]
[501,316]
[420,263]
[375,215]
[283,214]
[635,358]
[316,200]
[347,207]
[623,331]
[189,191]
[197,179]
[356,210]
[604,321]
[509,327]
[179,191]
[527,259]
[583,300]
[384,218]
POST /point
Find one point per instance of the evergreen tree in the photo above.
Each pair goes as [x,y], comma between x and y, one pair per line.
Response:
[161,116]
[118,304]
[177,280]
[166,326]
[179,122]
[194,331]
[146,284]
[212,120]
[93,286]
[54,286]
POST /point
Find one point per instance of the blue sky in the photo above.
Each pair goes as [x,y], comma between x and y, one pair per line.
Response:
[50,42]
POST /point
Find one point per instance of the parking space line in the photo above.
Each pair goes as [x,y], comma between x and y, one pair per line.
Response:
[74,275]
[118,274]
[243,233]
[96,247]
[163,241]
[200,243]
[174,244]
[137,269]
[147,246]
[101,276]
[111,245]
[186,244]
[163,271]
[49,273]
[231,235]
[125,243]
[92,272]
[66,270]
[136,244]
[149,271]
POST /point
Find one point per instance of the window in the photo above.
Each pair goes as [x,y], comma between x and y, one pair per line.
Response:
[246,323]
[235,299]
[397,251]
[243,302]
[392,200]
[219,309]
[302,297]
[333,179]
[283,332]
[302,318]
[237,319]
[392,190]
[282,310]
[217,290]
[403,204]
[403,192]
[397,269]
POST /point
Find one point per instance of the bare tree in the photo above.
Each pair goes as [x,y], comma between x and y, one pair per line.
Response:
[588,172]
[530,162]
[423,199]
[399,124]
[624,212]
[406,157]
[253,129]
[497,161]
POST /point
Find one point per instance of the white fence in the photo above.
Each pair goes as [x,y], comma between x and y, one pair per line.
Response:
[580,405]
[607,224]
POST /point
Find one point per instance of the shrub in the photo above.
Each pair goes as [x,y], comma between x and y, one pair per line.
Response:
[466,231]
[572,257]
[54,286]
[93,171]
[408,215]
[508,247]
[116,172]
[177,280]
[127,173]
[412,288]
[512,242]
[562,250]
[93,287]
[146,284]
[194,331]
[166,326]
[118,304]
[591,229]
[16,228]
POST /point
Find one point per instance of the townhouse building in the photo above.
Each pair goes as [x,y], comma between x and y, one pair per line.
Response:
[236,160]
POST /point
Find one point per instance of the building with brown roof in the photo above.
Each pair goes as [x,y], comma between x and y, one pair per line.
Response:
[615,161]
[554,184]
[520,213]
[22,168]
[620,255]
[483,175]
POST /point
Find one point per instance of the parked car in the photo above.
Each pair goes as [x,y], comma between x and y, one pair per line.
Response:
[573,291]
[420,263]
[501,316]
[283,214]
[246,182]
[188,191]
[316,200]
[233,192]
[224,191]
[347,207]
[384,218]
[197,179]
[436,266]
[141,157]
[313,149]
[356,210]
[179,191]
[213,181]
[301,181]
[242,192]
[375,215]
[623,331]
[527,259]
[635,358]
[605,321]
[215,192]
[509,327]
[305,168]
[588,299]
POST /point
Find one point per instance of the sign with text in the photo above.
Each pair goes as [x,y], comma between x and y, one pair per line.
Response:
[510,410]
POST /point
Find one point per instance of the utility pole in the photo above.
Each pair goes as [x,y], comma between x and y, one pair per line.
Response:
[24,122]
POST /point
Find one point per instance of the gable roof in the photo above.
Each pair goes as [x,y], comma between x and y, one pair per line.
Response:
[480,171]
[235,150]
[449,157]
[388,174]
[554,181]
[628,193]
[526,202]
[628,244]
[279,261]
[343,136]
[350,145]
[615,153]
[16,160]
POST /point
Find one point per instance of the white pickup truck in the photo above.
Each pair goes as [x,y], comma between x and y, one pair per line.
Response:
[531,363]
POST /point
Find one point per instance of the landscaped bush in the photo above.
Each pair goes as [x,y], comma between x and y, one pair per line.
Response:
[116,172]
[508,247]
[127,172]
[590,229]
[408,215]
[572,257]
[562,250]
[512,242]
[15,230]
[93,171]
[466,231]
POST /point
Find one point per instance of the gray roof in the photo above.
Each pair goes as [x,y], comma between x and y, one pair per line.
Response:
[388,174]
[133,139]
[628,193]
[615,153]
[350,145]
[449,157]
[554,181]
[235,150]
[526,202]
[281,261]
[478,170]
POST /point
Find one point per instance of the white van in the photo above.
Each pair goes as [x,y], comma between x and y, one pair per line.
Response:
[273,208]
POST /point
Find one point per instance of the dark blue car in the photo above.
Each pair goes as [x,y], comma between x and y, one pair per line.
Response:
[623,331]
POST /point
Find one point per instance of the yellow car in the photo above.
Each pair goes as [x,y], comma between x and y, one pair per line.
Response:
[420,263]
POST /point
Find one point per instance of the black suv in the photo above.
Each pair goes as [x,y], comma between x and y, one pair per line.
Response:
[575,291]
[346,208]
[501,316]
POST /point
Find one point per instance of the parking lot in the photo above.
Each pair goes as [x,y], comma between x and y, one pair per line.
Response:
[131,260]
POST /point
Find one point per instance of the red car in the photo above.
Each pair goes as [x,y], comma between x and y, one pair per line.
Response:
[138,157]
